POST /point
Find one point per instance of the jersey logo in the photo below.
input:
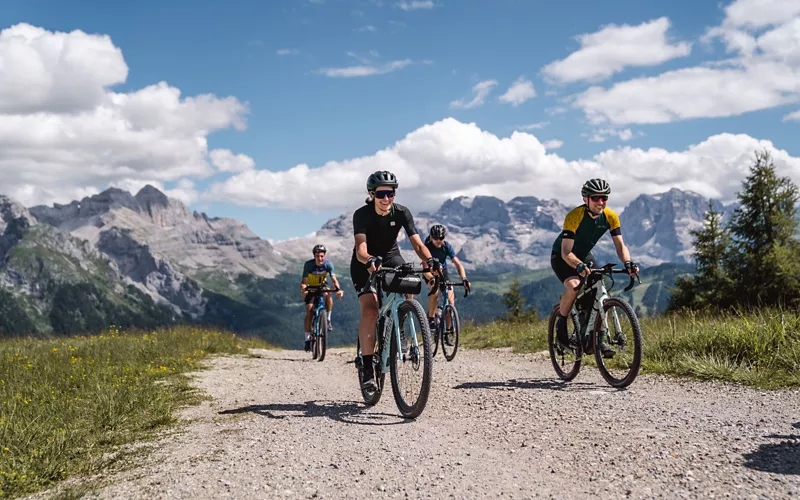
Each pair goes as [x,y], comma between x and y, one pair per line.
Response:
[391,223]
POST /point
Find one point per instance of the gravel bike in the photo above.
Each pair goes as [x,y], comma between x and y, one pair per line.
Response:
[402,340]
[621,369]
[448,327]
[319,335]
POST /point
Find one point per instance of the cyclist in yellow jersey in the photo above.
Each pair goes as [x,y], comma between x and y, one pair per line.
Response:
[571,255]
[315,274]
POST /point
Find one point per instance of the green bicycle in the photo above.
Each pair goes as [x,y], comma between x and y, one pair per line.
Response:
[402,340]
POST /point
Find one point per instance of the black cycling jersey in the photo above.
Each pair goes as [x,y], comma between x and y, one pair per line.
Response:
[382,231]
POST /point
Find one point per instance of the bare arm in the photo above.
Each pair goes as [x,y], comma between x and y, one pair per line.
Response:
[303,285]
[420,248]
[566,252]
[460,268]
[622,249]
[361,248]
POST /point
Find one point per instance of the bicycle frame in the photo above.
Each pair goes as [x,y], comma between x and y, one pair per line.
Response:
[601,295]
[315,318]
[387,309]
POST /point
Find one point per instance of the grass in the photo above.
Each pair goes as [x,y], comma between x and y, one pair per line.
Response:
[756,349]
[69,404]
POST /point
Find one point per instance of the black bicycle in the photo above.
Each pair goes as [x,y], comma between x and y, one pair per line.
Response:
[402,340]
[319,333]
[619,370]
[448,326]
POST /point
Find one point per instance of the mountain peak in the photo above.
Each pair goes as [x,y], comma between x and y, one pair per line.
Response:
[149,197]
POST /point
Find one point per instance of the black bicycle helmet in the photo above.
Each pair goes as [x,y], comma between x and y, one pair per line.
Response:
[438,231]
[319,248]
[595,186]
[381,178]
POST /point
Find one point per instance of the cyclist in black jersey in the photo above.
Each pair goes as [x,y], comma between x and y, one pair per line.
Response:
[572,256]
[375,229]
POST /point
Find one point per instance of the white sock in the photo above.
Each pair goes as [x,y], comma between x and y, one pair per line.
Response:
[308,335]
[329,315]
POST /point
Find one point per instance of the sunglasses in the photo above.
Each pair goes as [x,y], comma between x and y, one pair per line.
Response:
[437,239]
[598,197]
[384,194]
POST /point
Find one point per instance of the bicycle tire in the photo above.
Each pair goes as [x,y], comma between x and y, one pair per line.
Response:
[436,333]
[449,309]
[551,346]
[322,336]
[637,345]
[373,398]
[413,410]
[314,348]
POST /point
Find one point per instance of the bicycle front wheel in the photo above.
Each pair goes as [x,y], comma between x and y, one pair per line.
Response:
[322,335]
[624,335]
[411,363]
[566,362]
[436,332]
[450,332]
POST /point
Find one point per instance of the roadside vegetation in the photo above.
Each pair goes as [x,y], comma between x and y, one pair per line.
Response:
[68,405]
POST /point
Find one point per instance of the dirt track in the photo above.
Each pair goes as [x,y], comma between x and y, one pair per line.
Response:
[281,425]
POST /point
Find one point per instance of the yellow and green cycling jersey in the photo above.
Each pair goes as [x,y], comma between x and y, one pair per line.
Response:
[586,230]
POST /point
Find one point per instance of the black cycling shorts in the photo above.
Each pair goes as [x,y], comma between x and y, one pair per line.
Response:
[310,296]
[563,270]
[360,275]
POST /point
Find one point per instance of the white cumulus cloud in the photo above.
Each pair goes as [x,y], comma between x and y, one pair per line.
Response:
[471,161]
[65,72]
[226,161]
[519,91]
[764,73]
[614,48]
[64,134]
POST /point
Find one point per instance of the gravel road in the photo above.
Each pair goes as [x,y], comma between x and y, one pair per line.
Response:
[497,424]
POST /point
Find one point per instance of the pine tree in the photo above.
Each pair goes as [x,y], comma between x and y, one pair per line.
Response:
[514,301]
[763,261]
[709,287]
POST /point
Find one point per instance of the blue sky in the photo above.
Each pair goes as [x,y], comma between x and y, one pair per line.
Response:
[298,115]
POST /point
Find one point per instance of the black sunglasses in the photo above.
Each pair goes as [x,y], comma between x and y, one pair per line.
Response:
[598,197]
[384,194]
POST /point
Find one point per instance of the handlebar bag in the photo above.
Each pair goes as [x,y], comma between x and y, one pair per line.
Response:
[396,283]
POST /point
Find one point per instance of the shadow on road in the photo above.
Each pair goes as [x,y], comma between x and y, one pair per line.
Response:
[546,384]
[346,412]
[779,458]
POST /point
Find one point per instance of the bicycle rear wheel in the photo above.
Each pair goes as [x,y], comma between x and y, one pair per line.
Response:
[451,333]
[412,366]
[322,335]
[566,362]
[620,370]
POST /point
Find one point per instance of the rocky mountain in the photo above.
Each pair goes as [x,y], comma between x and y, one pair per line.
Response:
[51,281]
[146,259]
[487,232]
[164,248]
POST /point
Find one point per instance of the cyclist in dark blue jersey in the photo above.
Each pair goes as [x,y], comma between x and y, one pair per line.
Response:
[440,251]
